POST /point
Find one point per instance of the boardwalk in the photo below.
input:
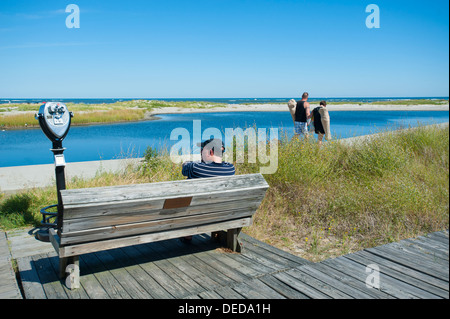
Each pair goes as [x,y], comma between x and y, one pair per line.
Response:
[416,268]
[9,288]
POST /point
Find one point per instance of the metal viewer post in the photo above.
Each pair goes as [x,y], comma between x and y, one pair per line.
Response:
[54,120]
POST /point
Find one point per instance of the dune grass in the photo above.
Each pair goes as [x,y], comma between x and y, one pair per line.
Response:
[322,202]
[337,199]
[14,116]
[21,120]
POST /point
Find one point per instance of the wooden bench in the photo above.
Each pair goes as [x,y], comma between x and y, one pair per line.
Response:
[97,219]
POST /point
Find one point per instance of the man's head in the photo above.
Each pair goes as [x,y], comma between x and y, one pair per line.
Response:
[305,96]
[323,103]
[212,150]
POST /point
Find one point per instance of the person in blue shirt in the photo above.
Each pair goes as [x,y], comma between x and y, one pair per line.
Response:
[211,165]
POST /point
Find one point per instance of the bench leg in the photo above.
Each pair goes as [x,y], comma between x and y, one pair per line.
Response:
[233,242]
[69,269]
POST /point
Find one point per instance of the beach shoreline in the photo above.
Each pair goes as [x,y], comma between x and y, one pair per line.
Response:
[152,114]
[283,108]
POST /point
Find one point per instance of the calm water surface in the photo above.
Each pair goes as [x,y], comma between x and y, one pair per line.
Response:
[95,142]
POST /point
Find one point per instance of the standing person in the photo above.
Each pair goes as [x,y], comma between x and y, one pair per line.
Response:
[321,120]
[302,115]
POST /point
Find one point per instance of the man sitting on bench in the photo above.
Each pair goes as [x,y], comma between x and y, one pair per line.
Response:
[211,165]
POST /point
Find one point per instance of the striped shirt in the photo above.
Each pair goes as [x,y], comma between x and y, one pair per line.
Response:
[204,170]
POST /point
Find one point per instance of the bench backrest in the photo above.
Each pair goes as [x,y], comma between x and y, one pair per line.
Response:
[92,214]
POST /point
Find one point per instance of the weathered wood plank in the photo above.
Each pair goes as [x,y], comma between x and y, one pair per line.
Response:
[79,293]
[408,286]
[387,284]
[243,263]
[444,234]
[154,207]
[245,289]
[181,278]
[218,262]
[320,285]
[434,241]
[207,294]
[386,278]
[112,260]
[282,288]
[31,283]
[439,238]
[352,282]
[418,264]
[160,276]
[228,293]
[330,281]
[10,294]
[239,263]
[54,239]
[299,261]
[9,288]
[80,249]
[164,190]
[430,292]
[50,281]
[264,289]
[420,253]
[98,282]
[4,250]
[130,217]
[432,250]
[252,263]
[154,226]
[437,245]
[300,286]
[273,258]
[261,263]
[411,273]
[148,271]
[210,274]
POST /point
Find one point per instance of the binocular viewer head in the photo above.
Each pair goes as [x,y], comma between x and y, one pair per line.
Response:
[54,119]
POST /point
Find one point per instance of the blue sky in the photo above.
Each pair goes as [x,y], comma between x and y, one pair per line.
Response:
[223,48]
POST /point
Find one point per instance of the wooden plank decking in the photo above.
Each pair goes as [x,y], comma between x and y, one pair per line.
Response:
[417,268]
[9,288]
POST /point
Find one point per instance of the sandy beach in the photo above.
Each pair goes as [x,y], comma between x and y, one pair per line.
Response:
[284,108]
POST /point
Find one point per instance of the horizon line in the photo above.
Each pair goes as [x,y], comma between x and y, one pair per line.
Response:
[227,98]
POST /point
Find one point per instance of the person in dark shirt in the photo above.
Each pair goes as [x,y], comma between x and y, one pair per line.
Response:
[211,165]
[302,115]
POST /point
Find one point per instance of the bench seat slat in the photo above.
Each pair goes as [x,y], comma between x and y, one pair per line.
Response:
[79,249]
[153,226]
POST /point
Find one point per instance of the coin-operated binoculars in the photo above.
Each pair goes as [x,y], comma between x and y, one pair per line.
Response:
[54,120]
